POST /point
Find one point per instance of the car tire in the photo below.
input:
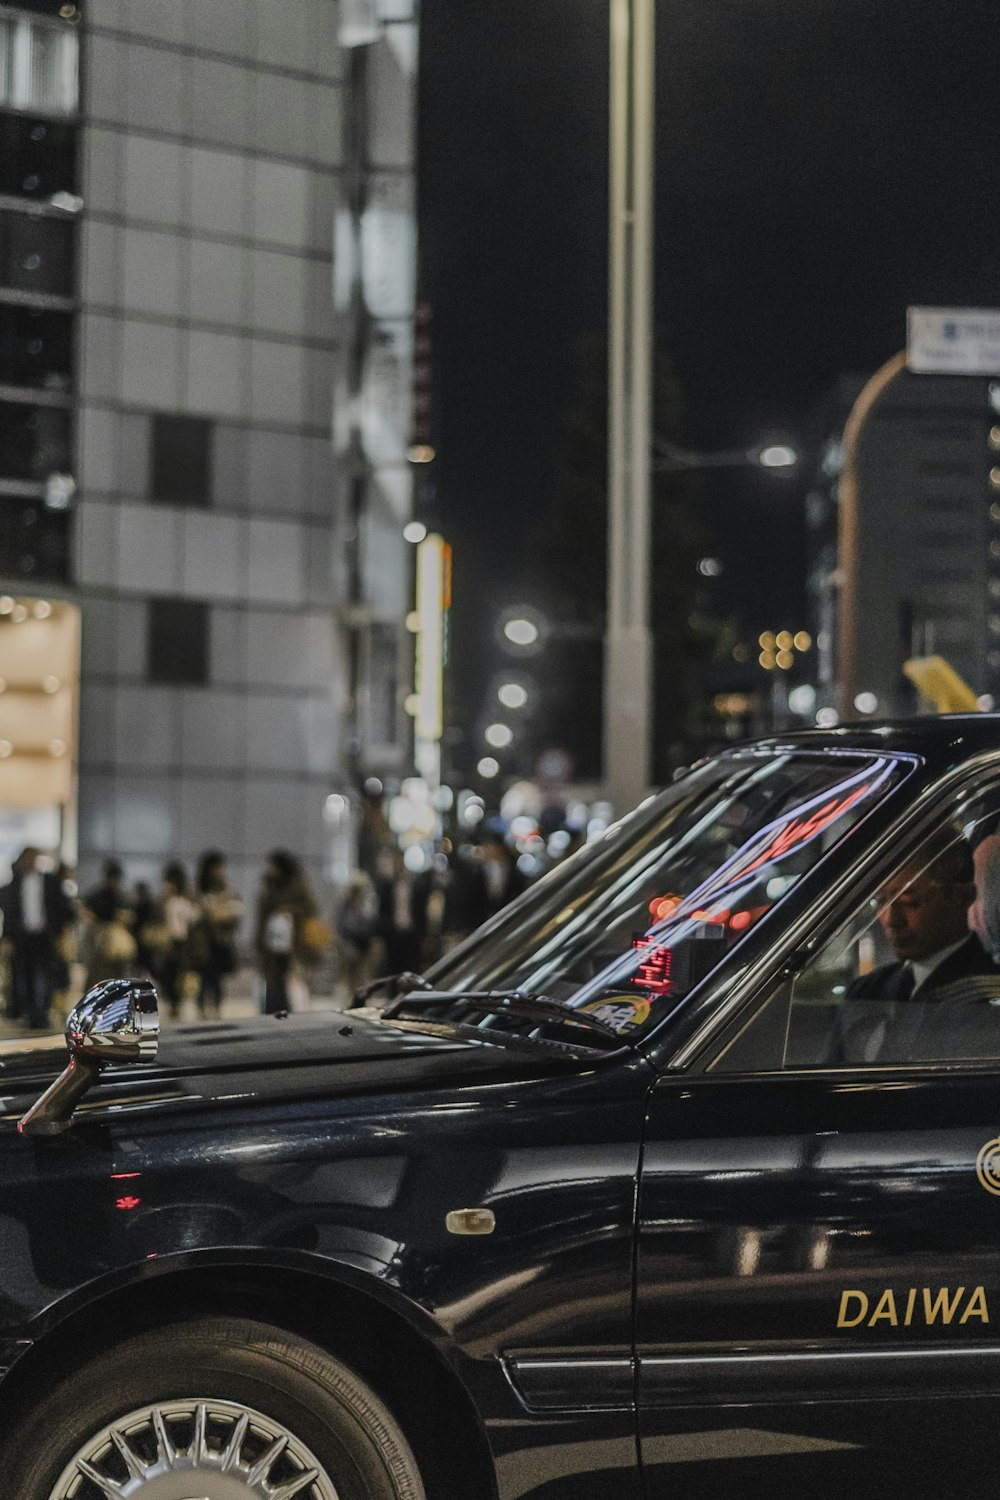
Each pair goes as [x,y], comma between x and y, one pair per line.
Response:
[185,1392]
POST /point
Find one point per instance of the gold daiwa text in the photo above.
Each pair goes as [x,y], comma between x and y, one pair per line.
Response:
[913,1306]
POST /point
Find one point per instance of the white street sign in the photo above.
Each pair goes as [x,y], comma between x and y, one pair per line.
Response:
[953,340]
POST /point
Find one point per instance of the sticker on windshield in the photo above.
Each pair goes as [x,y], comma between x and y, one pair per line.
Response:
[620,1011]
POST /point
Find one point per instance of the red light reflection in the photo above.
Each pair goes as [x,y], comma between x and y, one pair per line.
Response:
[801,830]
[661,906]
[129,1201]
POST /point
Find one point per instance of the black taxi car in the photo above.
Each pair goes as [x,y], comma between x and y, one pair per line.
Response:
[680,1177]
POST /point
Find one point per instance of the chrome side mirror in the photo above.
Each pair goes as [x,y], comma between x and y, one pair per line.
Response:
[115,1022]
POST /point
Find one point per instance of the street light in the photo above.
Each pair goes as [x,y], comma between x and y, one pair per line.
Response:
[521,631]
[498,736]
[628,641]
[672,459]
[778,456]
[847,532]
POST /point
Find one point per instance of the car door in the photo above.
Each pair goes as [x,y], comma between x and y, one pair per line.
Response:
[818,1267]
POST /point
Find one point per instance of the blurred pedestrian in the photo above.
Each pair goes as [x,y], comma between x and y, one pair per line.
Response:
[374,833]
[399,924]
[151,935]
[286,916]
[497,879]
[213,940]
[35,913]
[67,944]
[178,914]
[438,899]
[357,922]
[109,941]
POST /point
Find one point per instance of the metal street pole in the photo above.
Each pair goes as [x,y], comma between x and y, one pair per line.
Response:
[627,649]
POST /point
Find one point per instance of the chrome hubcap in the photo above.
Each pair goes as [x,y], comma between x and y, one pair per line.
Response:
[194,1450]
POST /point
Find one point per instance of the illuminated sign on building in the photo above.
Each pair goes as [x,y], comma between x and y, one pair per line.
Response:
[433,601]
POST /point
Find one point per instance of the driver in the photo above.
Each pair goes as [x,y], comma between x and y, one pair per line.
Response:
[923,911]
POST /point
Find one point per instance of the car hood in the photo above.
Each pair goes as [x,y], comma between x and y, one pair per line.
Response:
[272,1057]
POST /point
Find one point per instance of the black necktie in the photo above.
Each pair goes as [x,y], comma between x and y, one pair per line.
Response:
[906,983]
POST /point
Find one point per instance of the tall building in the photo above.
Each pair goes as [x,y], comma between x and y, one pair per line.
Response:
[207,299]
[928,539]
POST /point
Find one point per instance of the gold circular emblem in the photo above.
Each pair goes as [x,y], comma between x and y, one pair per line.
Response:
[988,1166]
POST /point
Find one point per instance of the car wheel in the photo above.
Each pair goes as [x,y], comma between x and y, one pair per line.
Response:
[217,1409]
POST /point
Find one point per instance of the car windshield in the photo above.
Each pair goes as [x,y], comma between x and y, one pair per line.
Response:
[637,919]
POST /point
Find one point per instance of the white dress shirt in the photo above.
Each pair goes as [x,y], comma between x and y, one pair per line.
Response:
[33,902]
[923,968]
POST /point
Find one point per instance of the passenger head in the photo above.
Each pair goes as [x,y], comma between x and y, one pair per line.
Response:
[923,907]
[112,872]
[27,861]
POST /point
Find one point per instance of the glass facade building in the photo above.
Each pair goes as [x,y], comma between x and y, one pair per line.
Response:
[198,289]
[928,539]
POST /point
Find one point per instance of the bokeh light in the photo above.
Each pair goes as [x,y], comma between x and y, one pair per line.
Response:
[498,735]
[512,695]
[521,632]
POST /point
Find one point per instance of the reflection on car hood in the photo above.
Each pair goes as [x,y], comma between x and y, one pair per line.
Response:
[271,1057]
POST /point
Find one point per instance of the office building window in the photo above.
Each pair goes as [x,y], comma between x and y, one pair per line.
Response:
[50,8]
[381,669]
[39,64]
[181,470]
[37,157]
[177,642]
[34,540]
[36,348]
[35,441]
[36,254]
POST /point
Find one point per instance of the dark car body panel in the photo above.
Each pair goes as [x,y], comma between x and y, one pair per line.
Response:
[611,1312]
[347,1165]
[839,1187]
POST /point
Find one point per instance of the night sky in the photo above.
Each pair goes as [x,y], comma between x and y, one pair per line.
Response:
[821,164]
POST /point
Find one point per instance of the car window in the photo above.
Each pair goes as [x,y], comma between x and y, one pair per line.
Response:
[911,977]
[649,913]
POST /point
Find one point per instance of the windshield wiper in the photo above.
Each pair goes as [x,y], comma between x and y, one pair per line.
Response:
[402,981]
[505,1002]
